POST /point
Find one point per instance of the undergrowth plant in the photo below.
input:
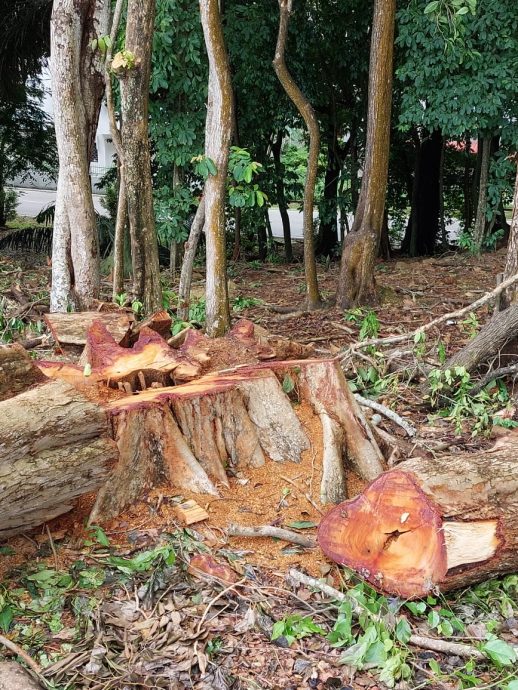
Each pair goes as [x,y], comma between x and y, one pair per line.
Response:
[450,393]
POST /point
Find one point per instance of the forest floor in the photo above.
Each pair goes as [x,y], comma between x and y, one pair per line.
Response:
[120,607]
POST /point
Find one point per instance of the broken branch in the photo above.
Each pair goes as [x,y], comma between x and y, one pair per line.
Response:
[274,532]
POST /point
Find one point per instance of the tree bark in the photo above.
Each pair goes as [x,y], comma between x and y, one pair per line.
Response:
[184,289]
[137,163]
[281,197]
[218,135]
[360,248]
[431,523]
[479,230]
[308,115]
[78,87]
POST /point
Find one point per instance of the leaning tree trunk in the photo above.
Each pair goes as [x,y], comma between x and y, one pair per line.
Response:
[78,87]
[218,135]
[360,248]
[480,222]
[184,289]
[308,114]
[135,76]
[431,523]
[490,342]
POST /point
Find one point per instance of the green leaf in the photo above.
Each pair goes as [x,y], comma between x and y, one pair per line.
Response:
[6,618]
[431,7]
[278,630]
[463,10]
[433,619]
[6,551]
[302,524]
[513,685]
[288,384]
[211,166]
[500,652]
[403,631]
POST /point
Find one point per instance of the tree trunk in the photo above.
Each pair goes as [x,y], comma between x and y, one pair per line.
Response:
[308,114]
[479,230]
[134,80]
[328,211]
[122,204]
[281,197]
[467,185]
[218,135]
[423,227]
[511,263]
[360,248]
[184,289]
[78,86]
[431,523]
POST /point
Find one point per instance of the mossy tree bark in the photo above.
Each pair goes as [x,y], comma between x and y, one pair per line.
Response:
[511,263]
[360,248]
[137,162]
[218,135]
[308,114]
[78,88]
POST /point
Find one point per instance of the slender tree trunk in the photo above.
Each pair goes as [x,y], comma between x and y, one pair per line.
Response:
[424,226]
[78,86]
[3,218]
[122,205]
[355,194]
[511,264]
[356,283]
[442,220]
[137,161]
[237,234]
[218,135]
[328,212]
[467,185]
[281,197]
[308,114]
[480,222]
[184,289]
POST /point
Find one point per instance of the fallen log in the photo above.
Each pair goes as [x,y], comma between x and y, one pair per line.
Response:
[431,524]
[71,329]
[55,445]
[17,371]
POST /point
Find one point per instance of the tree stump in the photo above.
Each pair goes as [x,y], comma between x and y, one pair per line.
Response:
[431,524]
[80,431]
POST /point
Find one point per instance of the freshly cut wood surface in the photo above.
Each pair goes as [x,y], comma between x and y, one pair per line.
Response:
[431,523]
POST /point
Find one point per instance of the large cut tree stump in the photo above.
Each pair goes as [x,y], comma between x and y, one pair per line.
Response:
[76,429]
[55,446]
[431,524]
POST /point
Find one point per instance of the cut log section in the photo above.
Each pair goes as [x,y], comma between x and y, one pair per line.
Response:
[55,446]
[431,524]
[72,328]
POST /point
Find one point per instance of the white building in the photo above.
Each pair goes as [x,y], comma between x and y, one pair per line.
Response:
[103,158]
